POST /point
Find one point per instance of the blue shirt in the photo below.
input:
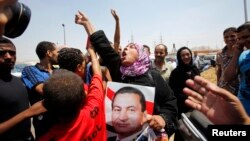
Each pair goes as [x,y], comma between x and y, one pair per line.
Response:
[244,87]
[34,75]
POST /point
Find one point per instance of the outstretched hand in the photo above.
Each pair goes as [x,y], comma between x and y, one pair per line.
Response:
[114,14]
[36,109]
[219,105]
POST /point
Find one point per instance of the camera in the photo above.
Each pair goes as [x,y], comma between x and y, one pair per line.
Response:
[19,21]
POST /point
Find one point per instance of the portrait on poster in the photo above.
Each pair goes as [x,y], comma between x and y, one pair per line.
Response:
[127,107]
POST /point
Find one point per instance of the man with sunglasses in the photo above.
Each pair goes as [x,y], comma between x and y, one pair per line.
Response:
[13,95]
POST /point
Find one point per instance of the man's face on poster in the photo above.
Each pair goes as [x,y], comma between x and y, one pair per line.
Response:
[127,114]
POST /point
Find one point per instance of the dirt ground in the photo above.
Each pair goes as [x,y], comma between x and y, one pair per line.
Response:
[210,75]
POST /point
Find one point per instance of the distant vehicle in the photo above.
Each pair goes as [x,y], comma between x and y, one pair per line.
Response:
[18,68]
[208,58]
[206,61]
[171,59]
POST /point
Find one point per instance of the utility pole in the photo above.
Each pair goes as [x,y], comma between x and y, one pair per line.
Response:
[132,38]
[245,10]
[161,39]
[64,36]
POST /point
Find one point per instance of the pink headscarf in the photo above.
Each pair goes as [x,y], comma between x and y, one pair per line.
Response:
[140,66]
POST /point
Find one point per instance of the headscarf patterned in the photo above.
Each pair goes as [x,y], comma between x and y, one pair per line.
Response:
[140,66]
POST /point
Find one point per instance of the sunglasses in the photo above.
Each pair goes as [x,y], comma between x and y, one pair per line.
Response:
[11,52]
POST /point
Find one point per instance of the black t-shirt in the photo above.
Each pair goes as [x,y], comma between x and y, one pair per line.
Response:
[13,100]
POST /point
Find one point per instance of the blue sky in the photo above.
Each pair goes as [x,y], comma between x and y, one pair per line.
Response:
[183,22]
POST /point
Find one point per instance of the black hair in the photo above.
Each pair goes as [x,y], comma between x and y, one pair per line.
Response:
[43,47]
[180,61]
[233,29]
[146,46]
[244,26]
[63,94]
[132,90]
[69,58]
[166,48]
[5,40]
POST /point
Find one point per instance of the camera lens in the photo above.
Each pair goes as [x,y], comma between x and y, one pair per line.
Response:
[19,21]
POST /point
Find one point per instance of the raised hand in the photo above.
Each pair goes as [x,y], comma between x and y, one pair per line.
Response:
[81,18]
[219,105]
[114,15]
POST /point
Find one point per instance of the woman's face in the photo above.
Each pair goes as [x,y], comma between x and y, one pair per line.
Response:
[230,38]
[129,55]
[186,56]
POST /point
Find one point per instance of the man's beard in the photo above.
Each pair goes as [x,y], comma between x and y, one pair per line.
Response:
[160,59]
[53,62]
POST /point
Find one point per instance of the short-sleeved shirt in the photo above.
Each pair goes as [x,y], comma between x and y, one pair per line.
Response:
[33,76]
[90,124]
[244,88]
[13,100]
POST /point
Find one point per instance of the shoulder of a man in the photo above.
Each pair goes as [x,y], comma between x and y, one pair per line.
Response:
[169,66]
[28,70]
[32,76]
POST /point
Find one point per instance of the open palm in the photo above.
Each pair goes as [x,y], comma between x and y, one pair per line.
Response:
[219,105]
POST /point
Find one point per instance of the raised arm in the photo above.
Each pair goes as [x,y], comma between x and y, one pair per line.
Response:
[95,62]
[82,19]
[232,70]
[35,109]
[214,102]
[117,31]
[98,39]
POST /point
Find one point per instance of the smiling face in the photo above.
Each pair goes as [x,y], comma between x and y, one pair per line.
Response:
[7,56]
[127,115]
[160,53]
[230,38]
[186,56]
[244,38]
[129,55]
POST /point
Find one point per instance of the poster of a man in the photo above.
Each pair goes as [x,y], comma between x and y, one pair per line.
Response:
[128,113]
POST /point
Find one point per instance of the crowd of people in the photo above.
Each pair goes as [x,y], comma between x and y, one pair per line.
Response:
[68,103]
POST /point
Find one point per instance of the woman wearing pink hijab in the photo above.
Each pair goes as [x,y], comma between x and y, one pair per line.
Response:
[133,66]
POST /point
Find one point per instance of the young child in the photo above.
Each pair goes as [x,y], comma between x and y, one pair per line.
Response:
[80,116]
